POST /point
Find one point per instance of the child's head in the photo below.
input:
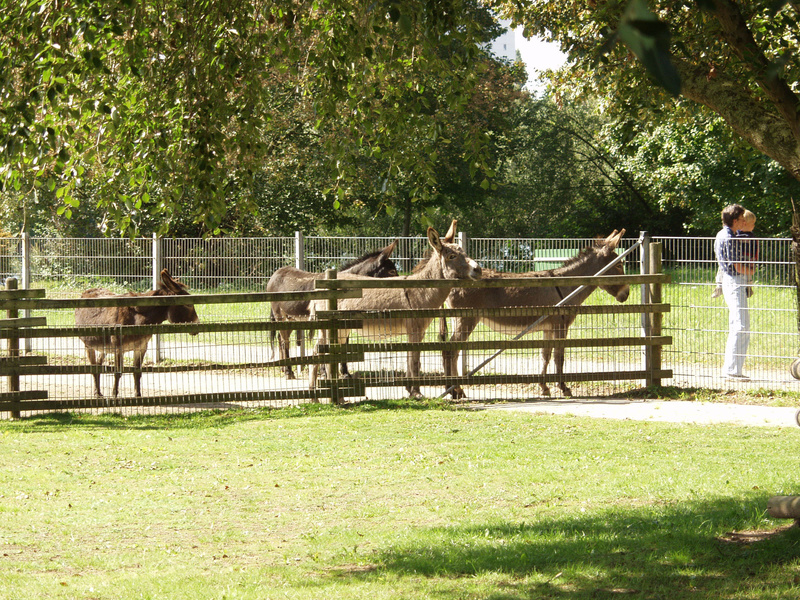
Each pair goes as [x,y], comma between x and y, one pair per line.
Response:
[747,221]
[732,213]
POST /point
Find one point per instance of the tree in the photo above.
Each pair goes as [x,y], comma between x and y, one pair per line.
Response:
[165,109]
[694,167]
[556,177]
[738,60]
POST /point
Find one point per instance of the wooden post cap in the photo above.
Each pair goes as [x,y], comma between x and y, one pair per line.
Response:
[784,507]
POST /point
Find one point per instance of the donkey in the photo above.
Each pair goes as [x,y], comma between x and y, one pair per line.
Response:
[97,346]
[588,262]
[447,261]
[288,279]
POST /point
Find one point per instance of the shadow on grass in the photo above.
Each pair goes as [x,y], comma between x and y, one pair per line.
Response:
[202,419]
[674,552]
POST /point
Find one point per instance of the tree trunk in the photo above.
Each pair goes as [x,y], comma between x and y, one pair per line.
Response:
[407,217]
[795,231]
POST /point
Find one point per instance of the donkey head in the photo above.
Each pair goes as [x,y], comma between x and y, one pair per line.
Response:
[453,261]
[606,250]
[180,313]
[374,264]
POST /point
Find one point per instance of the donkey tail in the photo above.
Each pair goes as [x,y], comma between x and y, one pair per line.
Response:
[272,334]
[442,329]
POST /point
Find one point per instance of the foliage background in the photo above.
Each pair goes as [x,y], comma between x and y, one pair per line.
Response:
[351,118]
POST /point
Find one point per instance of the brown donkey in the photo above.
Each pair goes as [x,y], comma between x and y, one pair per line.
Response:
[377,263]
[97,346]
[587,263]
[447,261]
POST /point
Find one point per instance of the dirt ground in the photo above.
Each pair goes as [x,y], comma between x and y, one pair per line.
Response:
[615,406]
[672,411]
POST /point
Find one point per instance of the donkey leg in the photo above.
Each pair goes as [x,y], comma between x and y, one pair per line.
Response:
[546,353]
[283,351]
[343,370]
[138,359]
[93,360]
[560,333]
[412,368]
[118,361]
[413,363]
[558,358]
[313,369]
[461,331]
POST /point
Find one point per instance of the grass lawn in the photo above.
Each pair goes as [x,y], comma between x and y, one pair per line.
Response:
[392,500]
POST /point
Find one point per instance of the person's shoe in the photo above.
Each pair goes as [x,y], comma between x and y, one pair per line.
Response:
[735,377]
[717,292]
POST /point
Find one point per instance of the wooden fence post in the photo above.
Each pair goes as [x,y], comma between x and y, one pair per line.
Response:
[333,339]
[13,347]
[656,318]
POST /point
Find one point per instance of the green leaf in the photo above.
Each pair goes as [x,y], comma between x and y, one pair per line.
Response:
[648,38]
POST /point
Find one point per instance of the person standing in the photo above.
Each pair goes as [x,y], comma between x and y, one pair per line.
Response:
[735,279]
[747,250]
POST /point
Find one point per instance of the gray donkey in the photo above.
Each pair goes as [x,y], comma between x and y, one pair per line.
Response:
[447,261]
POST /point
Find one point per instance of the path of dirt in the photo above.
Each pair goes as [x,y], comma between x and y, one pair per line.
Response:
[672,411]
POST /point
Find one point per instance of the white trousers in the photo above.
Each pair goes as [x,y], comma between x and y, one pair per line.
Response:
[734,290]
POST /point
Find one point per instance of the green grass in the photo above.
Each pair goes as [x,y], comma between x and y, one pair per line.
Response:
[392,500]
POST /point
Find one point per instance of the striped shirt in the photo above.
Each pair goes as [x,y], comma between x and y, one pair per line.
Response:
[726,250]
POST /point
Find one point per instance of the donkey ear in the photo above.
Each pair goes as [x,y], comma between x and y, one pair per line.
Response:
[169,283]
[450,236]
[387,252]
[610,237]
[613,239]
[434,240]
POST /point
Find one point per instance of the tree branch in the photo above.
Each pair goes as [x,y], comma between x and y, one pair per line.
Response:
[765,130]
[740,39]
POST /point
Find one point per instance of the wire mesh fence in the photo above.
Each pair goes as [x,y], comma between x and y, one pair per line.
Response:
[231,364]
[697,322]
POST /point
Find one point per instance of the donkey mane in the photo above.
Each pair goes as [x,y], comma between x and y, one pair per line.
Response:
[578,259]
[361,259]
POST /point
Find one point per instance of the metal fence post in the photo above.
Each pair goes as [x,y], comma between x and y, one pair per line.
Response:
[463,241]
[25,275]
[644,269]
[157,266]
[299,251]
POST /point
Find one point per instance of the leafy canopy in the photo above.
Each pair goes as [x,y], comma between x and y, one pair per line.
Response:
[736,60]
[173,104]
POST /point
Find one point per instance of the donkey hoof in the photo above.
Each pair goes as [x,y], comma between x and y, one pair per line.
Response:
[566,392]
[457,394]
[290,375]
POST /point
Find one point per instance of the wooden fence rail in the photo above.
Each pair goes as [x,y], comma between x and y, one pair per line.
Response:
[13,366]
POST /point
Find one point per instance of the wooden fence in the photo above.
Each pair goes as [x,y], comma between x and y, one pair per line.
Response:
[14,366]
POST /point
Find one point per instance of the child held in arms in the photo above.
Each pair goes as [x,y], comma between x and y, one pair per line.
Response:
[747,247]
